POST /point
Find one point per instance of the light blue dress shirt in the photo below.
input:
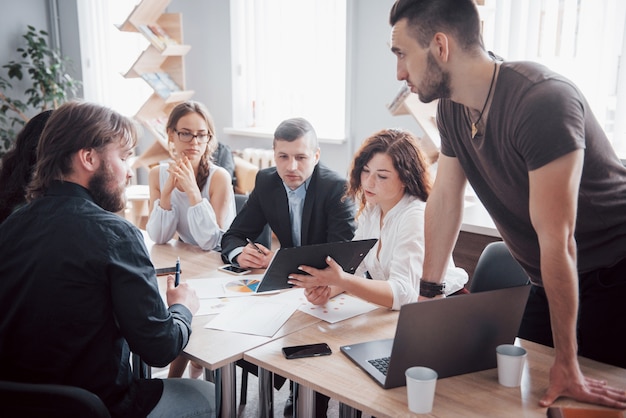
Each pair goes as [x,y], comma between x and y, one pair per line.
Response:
[296,205]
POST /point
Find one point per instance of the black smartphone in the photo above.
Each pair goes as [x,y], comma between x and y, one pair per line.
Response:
[308,350]
[236,270]
[165,271]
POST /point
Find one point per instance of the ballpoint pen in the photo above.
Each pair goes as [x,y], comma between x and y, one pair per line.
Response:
[177,275]
[259,250]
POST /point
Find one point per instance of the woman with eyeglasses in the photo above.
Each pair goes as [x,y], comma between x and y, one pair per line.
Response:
[190,195]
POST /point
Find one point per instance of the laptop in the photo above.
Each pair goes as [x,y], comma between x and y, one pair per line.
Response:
[453,336]
[348,254]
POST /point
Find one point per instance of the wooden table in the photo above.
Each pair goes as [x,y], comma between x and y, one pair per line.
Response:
[216,350]
[471,395]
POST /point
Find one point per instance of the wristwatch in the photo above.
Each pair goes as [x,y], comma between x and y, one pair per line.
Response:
[431,289]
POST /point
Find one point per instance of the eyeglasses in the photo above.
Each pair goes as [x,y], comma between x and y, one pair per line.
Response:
[188,137]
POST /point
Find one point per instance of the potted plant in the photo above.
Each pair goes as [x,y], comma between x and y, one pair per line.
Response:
[51,85]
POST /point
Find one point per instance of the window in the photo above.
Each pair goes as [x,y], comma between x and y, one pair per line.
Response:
[580,39]
[289,59]
[108,53]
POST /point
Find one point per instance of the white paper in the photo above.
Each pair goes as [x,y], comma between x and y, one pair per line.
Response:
[257,316]
[342,306]
[213,306]
[209,288]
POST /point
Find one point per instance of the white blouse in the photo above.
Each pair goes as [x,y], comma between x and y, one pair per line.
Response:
[401,244]
[196,224]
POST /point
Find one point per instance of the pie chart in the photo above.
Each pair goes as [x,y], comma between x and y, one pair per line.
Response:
[242,285]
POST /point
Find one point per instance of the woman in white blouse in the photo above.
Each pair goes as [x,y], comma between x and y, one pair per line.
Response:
[390,180]
[190,196]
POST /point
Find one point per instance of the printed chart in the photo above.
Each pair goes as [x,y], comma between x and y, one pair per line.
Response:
[342,306]
[242,285]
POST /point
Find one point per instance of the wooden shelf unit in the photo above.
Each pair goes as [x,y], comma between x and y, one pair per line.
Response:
[162,65]
[407,103]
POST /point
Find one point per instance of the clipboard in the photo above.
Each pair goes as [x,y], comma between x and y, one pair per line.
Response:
[348,254]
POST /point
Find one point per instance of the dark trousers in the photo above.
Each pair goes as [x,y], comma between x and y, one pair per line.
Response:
[601,315]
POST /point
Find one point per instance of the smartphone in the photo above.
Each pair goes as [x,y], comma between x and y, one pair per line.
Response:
[236,270]
[165,271]
[308,350]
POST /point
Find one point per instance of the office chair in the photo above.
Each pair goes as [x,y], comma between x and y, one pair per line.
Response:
[141,370]
[223,156]
[35,400]
[497,269]
[245,173]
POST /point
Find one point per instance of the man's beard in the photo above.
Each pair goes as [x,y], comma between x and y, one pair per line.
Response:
[110,200]
[436,84]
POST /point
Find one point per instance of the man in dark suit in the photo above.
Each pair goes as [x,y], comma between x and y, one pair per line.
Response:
[301,200]
[303,203]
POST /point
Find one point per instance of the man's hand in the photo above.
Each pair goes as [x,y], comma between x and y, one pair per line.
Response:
[572,383]
[182,294]
[252,257]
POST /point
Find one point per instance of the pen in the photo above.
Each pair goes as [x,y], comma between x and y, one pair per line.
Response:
[260,251]
[177,276]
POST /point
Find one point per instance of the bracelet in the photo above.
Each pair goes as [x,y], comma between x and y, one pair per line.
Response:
[431,289]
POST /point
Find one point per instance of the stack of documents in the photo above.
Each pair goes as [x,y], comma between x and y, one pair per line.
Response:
[265,313]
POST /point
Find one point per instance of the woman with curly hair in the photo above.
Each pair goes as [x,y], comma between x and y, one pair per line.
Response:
[390,181]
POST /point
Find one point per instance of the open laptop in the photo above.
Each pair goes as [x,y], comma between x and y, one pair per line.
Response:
[453,336]
[348,254]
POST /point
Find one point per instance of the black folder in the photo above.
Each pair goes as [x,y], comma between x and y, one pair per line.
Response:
[348,254]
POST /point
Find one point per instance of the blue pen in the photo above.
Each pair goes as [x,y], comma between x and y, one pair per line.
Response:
[177,277]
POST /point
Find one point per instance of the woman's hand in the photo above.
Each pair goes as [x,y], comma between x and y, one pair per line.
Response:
[182,173]
[330,276]
[319,295]
[165,194]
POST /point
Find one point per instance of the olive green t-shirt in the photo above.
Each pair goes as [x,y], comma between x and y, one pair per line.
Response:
[537,116]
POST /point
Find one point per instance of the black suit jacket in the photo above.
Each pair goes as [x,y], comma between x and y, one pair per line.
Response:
[326,216]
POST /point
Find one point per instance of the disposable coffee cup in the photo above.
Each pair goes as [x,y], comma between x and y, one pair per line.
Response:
[420,389]
[511,360]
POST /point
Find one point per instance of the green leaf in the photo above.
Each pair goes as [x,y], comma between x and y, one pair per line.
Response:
[48,84]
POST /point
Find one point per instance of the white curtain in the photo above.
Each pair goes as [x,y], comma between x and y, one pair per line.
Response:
[108,53]
[580,39]
[289,59]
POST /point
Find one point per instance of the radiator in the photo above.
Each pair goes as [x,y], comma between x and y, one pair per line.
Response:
[260,157]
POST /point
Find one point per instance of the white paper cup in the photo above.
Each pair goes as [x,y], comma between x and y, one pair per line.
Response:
[420,388]
[511,360]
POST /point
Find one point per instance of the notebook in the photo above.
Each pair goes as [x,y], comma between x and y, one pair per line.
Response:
[348,254]
[453,336]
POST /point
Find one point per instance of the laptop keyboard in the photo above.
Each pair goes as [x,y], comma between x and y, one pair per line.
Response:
[382,364]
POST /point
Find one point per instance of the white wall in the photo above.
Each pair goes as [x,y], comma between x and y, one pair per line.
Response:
[15,16]
[206,27]
[14,19]
[371,79]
